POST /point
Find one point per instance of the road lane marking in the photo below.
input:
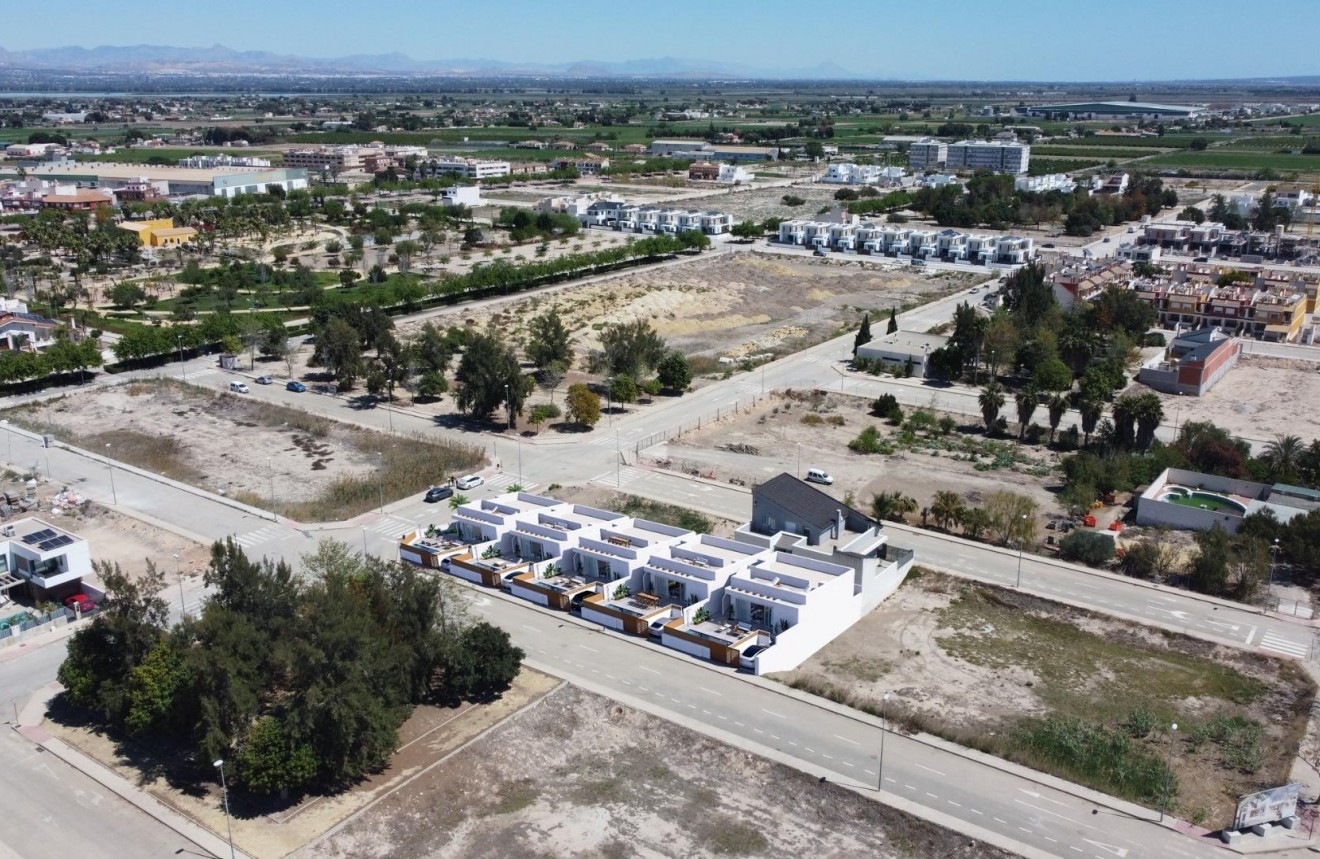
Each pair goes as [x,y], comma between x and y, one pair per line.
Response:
[974,811]
[931,795]
[585,647]
[929,770]
[827,757]
[710,692]
[846,740]
[773,713]
[1051,840]
[532,628]
[644,668]
[1024,829]
[954,804]
[845,763]
[998,820]
[909,787]
[1054,813]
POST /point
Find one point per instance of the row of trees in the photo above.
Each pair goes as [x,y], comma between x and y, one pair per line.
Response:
[62,356]
[1004,517]
[300,680]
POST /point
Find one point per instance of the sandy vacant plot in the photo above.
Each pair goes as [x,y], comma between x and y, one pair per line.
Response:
[775,429]
[725,304]
[761,203]
[317,469]
[975,662]
[1256,400]
[578,775]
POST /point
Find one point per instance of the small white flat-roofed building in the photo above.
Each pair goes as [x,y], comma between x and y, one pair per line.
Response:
[234,184]
[1042,184]
[461,195]
[902,348]
[51,560]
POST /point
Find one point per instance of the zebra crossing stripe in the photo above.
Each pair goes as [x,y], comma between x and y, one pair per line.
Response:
[1270,641]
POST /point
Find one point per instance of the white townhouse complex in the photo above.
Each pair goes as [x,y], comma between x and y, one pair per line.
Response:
[804,569]
[629,217]
[845,173]
[894,240]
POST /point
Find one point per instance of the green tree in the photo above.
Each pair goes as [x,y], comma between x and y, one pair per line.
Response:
[269,761]
[893,321]
[1282,456]
[1052,375]
[1091,548]
[126,295]
[490,375]
[748,229]
[432,384]
[549,341]
[975,522]
[1012,517]
[154,687]
[623,389]
[630,348]
[1058,407]
[339,350]
[674,372]
[1209,569]
[542,413]
[583,405]
[893,506]
[489,661]
[863,335]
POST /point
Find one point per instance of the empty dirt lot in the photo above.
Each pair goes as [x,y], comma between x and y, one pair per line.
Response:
[579,775]
[318,470]
[1256,400]
[775,428]
[725,304]
[981,665]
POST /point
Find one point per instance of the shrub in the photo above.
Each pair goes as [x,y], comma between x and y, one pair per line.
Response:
[812,420]
[883,405]
[870,441]
[1088,547]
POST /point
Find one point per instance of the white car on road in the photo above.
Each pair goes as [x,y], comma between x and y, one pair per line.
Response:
[472,481]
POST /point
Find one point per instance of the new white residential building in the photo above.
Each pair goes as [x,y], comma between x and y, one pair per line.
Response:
[871,237]
[49,559]
[469,168]
[802,571]
[861,174]
[997,156]
[927,154]
[1040,184]
[652,219]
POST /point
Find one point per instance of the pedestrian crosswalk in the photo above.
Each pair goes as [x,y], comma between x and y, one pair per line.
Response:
[506,479]
[1277,644]
[603,441]
[197,374]
[391,527]
[622,476]
[259,536]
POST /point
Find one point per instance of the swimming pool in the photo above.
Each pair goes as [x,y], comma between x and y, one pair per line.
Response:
[1203,500]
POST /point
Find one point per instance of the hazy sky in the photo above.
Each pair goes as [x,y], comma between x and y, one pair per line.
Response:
[944,39]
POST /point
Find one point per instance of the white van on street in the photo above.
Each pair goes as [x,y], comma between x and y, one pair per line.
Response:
[819,475]
[238,388]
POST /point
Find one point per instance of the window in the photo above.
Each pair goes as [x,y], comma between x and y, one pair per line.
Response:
[675,591]
[760,615]
[603,571]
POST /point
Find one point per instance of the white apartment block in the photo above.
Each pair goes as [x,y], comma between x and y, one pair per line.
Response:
[861,174]
[927,154]
[800,573]
[1041,184]
[325,159]
[469,168]
[205,162]
[997,156]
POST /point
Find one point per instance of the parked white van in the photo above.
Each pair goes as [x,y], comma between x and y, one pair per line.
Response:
[819,475]
[238,388]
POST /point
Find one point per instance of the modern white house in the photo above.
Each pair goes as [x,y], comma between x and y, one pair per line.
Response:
[1041,184]
[903,348]
[461,195]
[48,559]
[847,173]
[804,569]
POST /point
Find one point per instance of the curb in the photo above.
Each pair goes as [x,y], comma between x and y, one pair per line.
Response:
[175,820]
[1043,779]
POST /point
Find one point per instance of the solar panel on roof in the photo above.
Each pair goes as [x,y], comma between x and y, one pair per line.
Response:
[55,542]
[43,534]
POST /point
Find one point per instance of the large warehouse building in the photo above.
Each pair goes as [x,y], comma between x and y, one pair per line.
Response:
[173,181]
[1114,110]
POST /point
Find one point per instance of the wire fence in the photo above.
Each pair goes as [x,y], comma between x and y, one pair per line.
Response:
[739,406]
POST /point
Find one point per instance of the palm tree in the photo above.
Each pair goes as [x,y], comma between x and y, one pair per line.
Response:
[1149,413]
[892,506]
[1077,343]
[991,400]
[946,509]
[1283,455]
[1027,400]
[1058,407]
[1124,416]
[1090,410]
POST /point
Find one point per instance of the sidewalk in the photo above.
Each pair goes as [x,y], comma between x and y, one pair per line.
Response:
[30,719]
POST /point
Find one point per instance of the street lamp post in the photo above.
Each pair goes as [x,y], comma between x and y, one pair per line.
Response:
[270,469]
[178,571]
[111,463]
[1274,559]
[799,460]
[364,542]
[1168,772]
[178,339]
[1021,541]
[380,479]
[618,469]
[224,789]
[9,434]
[508,404]
[884,729]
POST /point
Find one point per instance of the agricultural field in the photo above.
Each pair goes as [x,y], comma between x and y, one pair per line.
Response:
[1072,693]
[579,775]
[1223,158]
[725,304]
[317,469]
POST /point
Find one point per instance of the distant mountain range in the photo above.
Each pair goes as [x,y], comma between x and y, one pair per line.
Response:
[218,59]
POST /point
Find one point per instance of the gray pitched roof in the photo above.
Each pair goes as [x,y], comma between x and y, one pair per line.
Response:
[808,504]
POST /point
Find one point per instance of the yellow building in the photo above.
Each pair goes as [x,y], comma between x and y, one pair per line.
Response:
[159,233]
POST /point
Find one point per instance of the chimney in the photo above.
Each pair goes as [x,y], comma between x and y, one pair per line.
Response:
[838,523]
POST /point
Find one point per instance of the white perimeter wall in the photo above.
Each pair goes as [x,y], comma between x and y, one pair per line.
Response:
[533,596]
[589,613]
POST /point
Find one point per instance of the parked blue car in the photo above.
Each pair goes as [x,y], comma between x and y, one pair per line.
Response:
[296,387]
